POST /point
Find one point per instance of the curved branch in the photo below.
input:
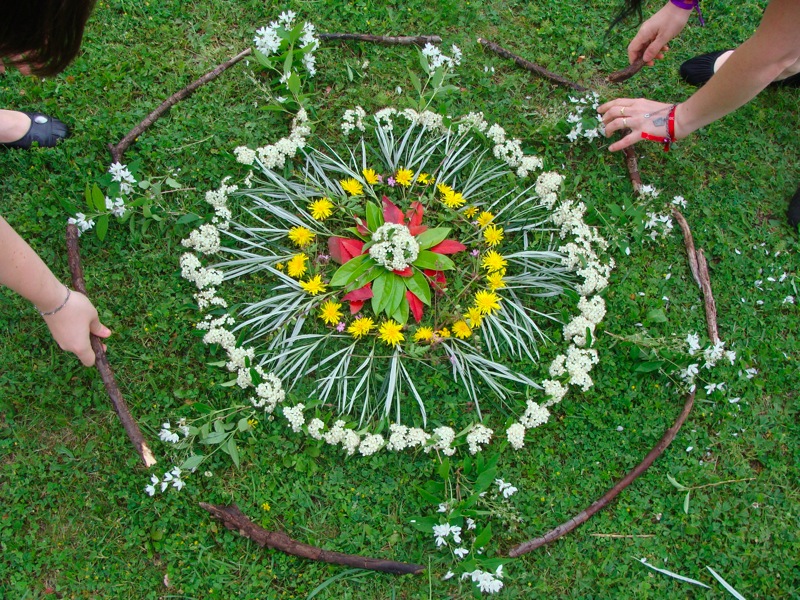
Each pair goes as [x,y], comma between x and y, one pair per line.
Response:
[600,504]
[532,67]
[626,73]
[101,360]
[235,519]
[401,40]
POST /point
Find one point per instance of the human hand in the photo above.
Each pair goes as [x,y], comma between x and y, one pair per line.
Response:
[650,42]
[71,326]
[636,117]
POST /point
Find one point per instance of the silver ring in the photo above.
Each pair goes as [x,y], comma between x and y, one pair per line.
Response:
[624,122]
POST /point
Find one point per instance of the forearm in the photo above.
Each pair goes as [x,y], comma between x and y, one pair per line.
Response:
[754,65]
[23,271]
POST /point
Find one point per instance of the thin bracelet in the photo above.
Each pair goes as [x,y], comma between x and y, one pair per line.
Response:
[55,310]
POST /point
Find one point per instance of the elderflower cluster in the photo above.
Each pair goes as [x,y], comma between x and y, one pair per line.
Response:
[353,119]
[534,416]
[370,444]
[269,393]
[394,248]
[577,363]
[547,186]
[554,390]
[592,312]
[339,434]
[402,437]
[274,156]
[443,437]
[478,437]
[202,277]
[516,435]
[436,59]
[294,414]
[204,239]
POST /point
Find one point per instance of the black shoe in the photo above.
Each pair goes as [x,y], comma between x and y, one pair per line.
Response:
[794,209]
[45,130]
[698,70]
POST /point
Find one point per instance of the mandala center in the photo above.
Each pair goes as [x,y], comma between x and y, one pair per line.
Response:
[394,247]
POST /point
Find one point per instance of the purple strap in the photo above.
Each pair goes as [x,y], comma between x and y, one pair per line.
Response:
[691,4]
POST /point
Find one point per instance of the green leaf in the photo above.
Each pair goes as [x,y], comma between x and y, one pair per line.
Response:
[444,468]
[483,537]
[88,195]
[381,291]
[188,218]
[415,81]
[428,496]
[686,502]
[102,227]
[192,462]
[423,62]
[172,183]
[98,199]
[294,83]
[484,480]
[287,62]
[649,366]
[217,437]
[418,285]
[430,237]
[243,425]
[401,314]
[374,216]
[679,486]
[432,260]
[656,316]
[425,524]
[233,451]
[397,293]
[351,270]
[438,77]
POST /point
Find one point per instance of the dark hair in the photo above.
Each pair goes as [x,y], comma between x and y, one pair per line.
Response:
[630,8]
[47,32]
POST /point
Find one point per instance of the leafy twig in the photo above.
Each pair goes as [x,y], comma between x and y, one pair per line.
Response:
[235,519]
[101,361]
[597,506]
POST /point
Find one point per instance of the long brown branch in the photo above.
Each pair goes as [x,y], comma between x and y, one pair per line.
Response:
[234,519]
[597,506]
[101,360]
[689,243]
[633,167]
[626,73]
[532,67]
[400,40]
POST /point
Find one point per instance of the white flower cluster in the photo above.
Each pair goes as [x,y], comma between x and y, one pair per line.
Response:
[204,239]
[592,312]
[658,225]
[547,186]
[534,416]
[268,40]
[353,119]
[167,435]
[402,437]
[171,478]
[427,119]
[82,222]
[122,174]
[443,530]
[394,248]
[436,59]
[479,436]
[486,582]
[269,393]
[577,363]
[554,390]
[274,156]
[585,124]
[711,354]
[294,414]
[339,434]
[516,435]
[443,437]
[192,270]
[505,488]
[370,444]
[116,206]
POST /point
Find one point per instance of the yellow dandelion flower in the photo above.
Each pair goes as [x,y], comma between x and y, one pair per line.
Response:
[495,280]
[443,333]
[453,200]
[296,267]
[423,334]
[331,312]
[280,266]
[352,187]
[485,218]
[493,235]
[492,261]
[487,302]
[314,285]
[321,209]
[461,330]
[252,422]
[470,211]
[266,506]
[404,177]
[474,317]
[390,332]
[370,176]
[424,178]
[361,327]
[300,236]
[444,189]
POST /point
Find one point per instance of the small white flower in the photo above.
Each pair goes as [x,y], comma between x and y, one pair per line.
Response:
[447,575]
[461,552]
[690,448]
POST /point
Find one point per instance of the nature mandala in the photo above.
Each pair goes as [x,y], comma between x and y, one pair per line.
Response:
[417,252]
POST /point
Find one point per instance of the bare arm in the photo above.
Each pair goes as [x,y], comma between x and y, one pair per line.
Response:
[755,64]
[23,271]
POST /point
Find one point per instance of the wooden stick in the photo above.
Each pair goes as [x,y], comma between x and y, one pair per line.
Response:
[600,504]
[101,360]
[118,150]
[689,243]
[621,536]
[626,73]
[234,519]
[708,297]
[633,166]
[401,40]
[529,66]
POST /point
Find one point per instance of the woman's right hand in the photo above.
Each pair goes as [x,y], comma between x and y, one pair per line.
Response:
[651,40]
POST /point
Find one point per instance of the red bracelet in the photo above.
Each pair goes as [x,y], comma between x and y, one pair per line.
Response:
[667,141]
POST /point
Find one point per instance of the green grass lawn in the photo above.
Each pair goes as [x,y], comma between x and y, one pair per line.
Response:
[74,518]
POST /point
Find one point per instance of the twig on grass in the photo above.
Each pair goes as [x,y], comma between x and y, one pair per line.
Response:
[532,67]
[235,519]
[600,504]
[399,40]
[622,536]
[626,73]
[633,167]
[101,360]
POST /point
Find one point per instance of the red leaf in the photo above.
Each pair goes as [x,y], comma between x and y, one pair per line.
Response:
[343,249]
[415,304]
[361,294]
[407,272]
[448,247]
[415,214]
[356,306]
[439,280]
[391,214]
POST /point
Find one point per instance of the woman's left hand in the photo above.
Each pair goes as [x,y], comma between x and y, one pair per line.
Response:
[636,116]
